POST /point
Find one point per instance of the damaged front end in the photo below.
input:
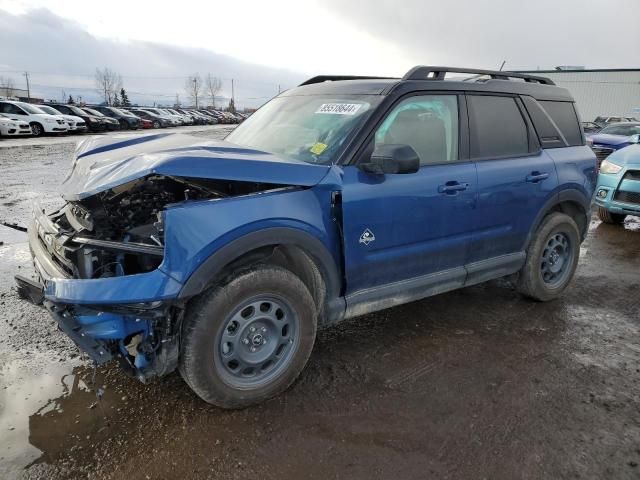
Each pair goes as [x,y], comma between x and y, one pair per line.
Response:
[97,261]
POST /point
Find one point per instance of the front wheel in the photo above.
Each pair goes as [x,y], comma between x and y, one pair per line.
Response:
[156,124]
[607,217]
[249,339]
[36,129]
[552,258]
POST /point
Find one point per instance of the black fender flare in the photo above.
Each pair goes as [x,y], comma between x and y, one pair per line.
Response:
[313,247]
[570,195]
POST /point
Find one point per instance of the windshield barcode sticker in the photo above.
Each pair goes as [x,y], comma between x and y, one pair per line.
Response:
[339,108]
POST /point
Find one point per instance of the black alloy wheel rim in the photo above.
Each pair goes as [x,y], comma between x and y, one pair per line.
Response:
[556,261]
[257,342]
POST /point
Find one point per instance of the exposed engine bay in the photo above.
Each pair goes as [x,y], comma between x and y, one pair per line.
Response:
[121,232]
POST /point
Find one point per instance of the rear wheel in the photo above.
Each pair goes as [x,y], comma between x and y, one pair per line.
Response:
[248,340]
[552,258]
[36,129]
[607,217]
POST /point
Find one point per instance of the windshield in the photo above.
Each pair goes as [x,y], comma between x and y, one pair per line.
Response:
[625,130]
[93,112]
[30,108]
[50,110]
[307,128]
[76,110]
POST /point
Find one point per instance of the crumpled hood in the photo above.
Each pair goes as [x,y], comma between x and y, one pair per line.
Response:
[608,139]
[101,164]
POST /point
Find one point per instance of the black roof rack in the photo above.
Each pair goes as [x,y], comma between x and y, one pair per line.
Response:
[438,73]
[333,78]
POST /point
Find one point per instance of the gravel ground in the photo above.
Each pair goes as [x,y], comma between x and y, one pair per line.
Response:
[477,383]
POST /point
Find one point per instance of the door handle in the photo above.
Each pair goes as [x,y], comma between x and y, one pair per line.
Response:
[535,177]
[452,188]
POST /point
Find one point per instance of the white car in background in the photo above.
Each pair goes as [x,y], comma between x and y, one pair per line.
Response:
[39,121]
[75,124]
[13,128]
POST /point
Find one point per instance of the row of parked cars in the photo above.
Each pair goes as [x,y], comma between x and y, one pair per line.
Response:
[20,118]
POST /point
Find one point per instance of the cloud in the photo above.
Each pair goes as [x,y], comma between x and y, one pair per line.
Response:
[60,54]
[527,34]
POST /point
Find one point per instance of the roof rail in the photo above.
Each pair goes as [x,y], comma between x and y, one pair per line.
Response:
[438,73]
[333,78]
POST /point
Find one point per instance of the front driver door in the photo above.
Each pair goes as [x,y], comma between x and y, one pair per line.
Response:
[414,228]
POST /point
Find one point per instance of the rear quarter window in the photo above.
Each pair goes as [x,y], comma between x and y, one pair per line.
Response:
[564,116]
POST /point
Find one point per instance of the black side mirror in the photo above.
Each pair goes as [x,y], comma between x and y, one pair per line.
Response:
[392,158]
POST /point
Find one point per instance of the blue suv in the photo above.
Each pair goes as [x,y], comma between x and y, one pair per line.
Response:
[340,197]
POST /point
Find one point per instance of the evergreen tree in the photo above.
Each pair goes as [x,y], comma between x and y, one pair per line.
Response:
[116,101]
[124,99]
[70,101]
[232,106]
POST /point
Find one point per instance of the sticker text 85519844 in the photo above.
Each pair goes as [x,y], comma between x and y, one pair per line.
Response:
[339,108]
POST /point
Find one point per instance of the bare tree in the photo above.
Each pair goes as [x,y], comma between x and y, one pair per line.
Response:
[108,84]
[212,86]
[6,86]
[193,87]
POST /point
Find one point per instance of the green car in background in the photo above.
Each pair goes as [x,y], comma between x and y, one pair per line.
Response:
[618,189]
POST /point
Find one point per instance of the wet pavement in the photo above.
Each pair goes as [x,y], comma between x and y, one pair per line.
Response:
[477,383]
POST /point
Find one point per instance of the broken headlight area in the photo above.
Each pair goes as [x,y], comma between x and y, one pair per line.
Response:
[121,231]
[145,338]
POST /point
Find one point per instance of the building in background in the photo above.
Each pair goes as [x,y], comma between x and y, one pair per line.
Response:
[599,92]
[20,94]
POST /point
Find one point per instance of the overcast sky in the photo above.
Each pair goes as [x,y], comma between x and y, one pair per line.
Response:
[155,44]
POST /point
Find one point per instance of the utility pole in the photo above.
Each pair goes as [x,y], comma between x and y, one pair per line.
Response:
[233,95]
[279,89]
[195,90]
[26,76]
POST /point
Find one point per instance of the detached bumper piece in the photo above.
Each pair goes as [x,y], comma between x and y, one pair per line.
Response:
[30,290]
[96,349]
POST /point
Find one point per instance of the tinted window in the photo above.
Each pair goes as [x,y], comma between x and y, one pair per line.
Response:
[497,127]
[11,109]
[427,123]
[564,116]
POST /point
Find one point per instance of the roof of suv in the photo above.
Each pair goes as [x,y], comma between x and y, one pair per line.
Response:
[434,78]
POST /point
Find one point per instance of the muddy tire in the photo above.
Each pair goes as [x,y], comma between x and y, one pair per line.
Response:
[552,258]
[36,129]
[249,339]
[613,218]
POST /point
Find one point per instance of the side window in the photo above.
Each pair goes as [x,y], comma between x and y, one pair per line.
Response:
[10,108]
[564,116]
[428,123]
[497,128]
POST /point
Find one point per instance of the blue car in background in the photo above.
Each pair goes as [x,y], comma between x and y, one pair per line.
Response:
[613,137]
[618,190]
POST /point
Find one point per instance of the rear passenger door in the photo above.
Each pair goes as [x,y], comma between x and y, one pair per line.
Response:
[515,179]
